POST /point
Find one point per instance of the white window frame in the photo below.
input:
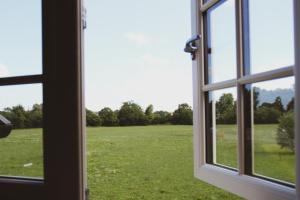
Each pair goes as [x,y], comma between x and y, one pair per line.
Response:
[238,182]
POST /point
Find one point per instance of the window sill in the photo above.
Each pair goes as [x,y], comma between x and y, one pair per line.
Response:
[243,185]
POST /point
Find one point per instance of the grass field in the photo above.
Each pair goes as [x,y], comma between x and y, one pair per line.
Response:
[153,162]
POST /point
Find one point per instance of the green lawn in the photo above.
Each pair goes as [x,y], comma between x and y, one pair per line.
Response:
[152,162]
[269,159]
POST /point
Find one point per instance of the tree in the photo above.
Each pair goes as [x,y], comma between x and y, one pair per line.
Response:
[255,97]
[278,104]
[161,117]
[35,117]
[266,115]
[290,105]
[131,114]
[267,105]
[285,132]
[226,102]
[108,117]
[149,113]
[92,119]
[183,115]
[226,109]
[17,116]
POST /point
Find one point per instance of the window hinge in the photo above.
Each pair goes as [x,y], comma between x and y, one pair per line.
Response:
[87,194]
[84,23]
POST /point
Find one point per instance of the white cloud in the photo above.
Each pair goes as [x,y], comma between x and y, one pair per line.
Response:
[149,60]
[137,38]
[3,71]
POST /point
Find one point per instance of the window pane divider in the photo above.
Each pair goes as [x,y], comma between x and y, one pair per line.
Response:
[297,92]
[26,188]
[19,80]
[269,75]
[219,85]
[240,88]
[209,4]
[254,78]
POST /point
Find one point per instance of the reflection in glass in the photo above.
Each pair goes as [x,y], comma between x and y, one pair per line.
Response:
[20,37]
[224,128]
[273,105]
[21,152]
[271,34]
[221,42]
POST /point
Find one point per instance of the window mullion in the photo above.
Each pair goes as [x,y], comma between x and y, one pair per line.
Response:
[240,94]
[246,112]
[297,92]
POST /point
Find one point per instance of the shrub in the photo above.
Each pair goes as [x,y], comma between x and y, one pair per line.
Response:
[285,132]
[149,114]
[108,117]
[131,114]
[183,115]
[266,115]
[92,119]
[161,117]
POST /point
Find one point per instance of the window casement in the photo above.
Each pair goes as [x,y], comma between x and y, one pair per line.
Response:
[237,60]
[63,105]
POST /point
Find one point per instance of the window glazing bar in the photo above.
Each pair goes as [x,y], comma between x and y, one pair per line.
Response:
[264,76]
[219,85]
[209,4]
[269,75]
[240,88]
[20,80]
[297,92]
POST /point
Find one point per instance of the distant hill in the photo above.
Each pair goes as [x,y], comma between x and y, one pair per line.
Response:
[270,95]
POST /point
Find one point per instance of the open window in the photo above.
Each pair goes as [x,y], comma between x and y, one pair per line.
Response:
[53,73]
[245,79]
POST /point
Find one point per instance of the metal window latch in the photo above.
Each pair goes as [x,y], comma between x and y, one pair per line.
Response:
[5,127]
[84,23]
[191,46]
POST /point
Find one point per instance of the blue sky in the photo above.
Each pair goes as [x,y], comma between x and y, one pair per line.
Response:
[134,49]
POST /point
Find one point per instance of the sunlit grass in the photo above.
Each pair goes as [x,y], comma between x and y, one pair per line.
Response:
[150,162]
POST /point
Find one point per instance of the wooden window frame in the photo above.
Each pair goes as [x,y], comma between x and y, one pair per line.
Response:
[241,181]
[63,109]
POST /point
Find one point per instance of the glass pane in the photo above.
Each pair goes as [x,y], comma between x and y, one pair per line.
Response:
[20,38]
[21,152]
[271,34]
[224,128]
[221,42]
[274,153]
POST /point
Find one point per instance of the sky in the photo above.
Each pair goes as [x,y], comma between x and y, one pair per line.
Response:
[134,49]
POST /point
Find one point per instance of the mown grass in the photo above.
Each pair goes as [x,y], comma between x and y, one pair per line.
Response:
[152,162]
[268,160]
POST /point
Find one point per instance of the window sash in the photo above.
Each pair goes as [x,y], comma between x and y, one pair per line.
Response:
[239,182]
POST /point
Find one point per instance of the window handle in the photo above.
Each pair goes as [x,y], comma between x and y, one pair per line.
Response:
[5,127]
[191,46]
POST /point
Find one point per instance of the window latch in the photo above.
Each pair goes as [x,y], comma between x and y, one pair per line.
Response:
[5,127]
[191,46]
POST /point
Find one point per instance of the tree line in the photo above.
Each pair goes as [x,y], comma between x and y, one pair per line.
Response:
[264,113]
[132,114]
[129,114]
